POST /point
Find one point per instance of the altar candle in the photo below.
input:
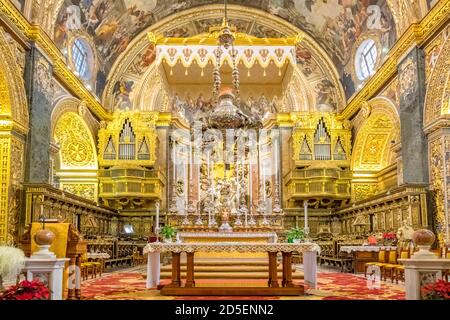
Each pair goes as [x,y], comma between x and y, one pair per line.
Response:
[276,159]
[198,177]
[238,184]
[305,204]
[157,219]
[174,161]
[250,180]
[186,181]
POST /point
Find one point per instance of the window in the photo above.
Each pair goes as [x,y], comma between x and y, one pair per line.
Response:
[80,57]
[366,59]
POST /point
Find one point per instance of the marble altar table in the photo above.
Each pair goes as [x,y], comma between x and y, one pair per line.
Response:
[309,251]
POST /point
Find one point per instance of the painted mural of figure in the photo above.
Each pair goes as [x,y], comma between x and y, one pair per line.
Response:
[122,91]
[177,105]
[325,100]
[148,57]
[92,20]
[61,31]
[73,18]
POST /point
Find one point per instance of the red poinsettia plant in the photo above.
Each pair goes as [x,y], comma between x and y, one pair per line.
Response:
[439,290]
[26,290]
[390,236]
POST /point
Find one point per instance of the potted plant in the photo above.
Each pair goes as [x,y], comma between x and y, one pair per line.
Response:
[26,290]
[12,261]
[168,233]
[439,290]
[390,239]
[295,235]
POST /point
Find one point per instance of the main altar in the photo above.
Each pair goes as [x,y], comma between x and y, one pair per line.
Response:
[225,160]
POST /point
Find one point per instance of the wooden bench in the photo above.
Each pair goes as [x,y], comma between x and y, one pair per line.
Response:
[344,263]
[119,261]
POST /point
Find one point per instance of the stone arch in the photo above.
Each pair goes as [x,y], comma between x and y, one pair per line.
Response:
[14,128]
[372,149]
[13,101]
[141,42]
[76,160]
[437,100]
[71,104]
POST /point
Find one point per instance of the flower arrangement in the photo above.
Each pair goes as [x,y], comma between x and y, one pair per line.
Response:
[295,234]
[168,232]
[389,238]
[26,290]
[12,261]
[439,290]
[372,240]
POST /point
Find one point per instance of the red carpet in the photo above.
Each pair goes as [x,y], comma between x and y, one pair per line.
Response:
[332,286]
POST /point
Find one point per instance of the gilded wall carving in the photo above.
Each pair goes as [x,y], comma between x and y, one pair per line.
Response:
[14,116]
[438,90]
[372,149]
[405,12]
[364,191]
[5,149]
[433,51]
[77,149]
[17,176]
[13,101]
[85,191]
[438,185]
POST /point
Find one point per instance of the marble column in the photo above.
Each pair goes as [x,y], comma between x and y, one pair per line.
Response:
[414,143]
[38,84]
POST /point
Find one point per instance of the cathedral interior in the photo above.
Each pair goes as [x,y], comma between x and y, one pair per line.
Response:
[240,122]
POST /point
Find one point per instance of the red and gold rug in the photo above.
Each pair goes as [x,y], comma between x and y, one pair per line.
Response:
[332,286]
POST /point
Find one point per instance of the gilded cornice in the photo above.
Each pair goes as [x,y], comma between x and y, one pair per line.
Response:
[442,122]
[416,35]
[61,71]
[211,39]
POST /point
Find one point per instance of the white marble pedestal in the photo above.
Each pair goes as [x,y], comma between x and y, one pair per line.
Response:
[310,268]
[50,271]
[420,272]
[153,270]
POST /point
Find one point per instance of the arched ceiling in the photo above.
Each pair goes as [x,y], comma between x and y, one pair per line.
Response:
[335,25]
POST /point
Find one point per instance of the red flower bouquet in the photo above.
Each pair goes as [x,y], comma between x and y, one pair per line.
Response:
[439,290]
[26,290]
[389,238]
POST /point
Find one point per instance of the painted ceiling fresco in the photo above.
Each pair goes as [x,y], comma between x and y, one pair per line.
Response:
[334,24]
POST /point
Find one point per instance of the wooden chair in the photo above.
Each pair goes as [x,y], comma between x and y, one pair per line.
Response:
[399,269]
[390,265]
[382,255]
[86,268]
[90,268]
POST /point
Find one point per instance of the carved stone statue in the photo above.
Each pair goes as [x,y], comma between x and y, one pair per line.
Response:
[404,235]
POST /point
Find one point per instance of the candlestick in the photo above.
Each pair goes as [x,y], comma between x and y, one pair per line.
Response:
[250,179]
[42,217]
[186,183]
[198,180]
[157,220]
[305,205]
[174,160]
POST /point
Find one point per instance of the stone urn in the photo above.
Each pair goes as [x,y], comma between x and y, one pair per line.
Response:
[424,239]
[44,239]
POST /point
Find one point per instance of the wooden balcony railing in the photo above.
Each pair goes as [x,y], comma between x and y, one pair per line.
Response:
[86,215]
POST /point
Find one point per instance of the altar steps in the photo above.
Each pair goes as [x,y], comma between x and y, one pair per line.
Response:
[228,269]
[230,275]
